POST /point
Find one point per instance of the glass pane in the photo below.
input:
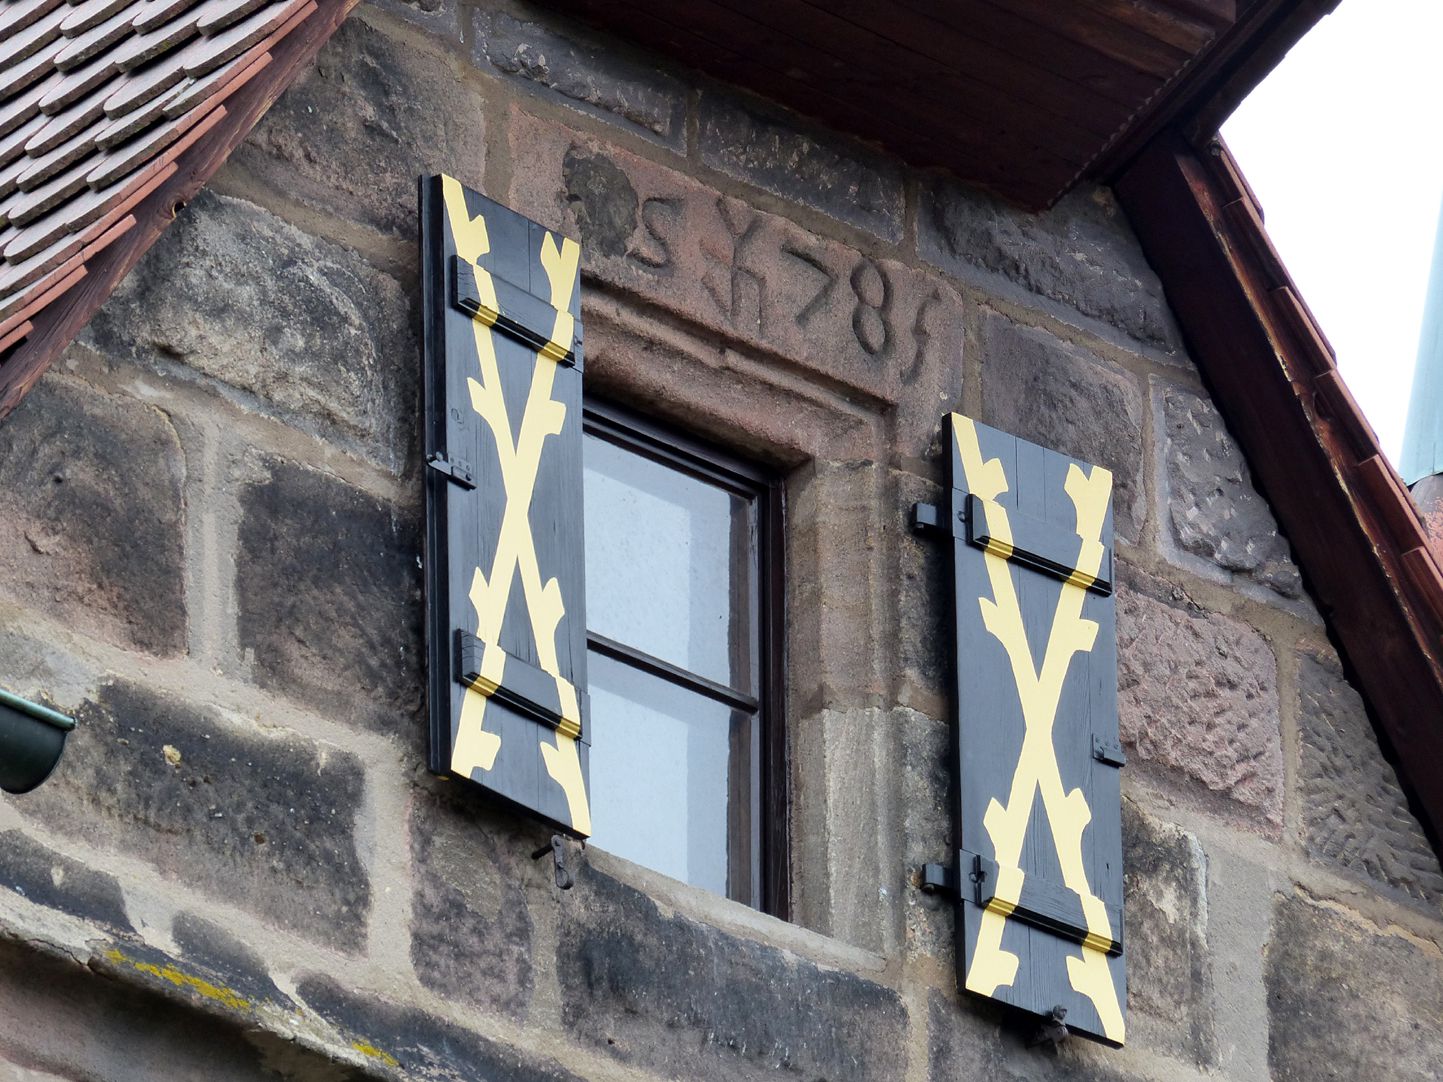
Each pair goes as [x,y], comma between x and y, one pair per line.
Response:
[669,564]
[668,769]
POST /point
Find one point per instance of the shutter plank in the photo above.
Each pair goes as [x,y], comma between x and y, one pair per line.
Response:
[1024,605]
[505,557]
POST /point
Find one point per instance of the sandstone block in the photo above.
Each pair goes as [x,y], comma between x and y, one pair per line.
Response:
[1355,816]
[969,1038]
[601,77]
[328,581]
[1169,978]
[682,999]
[265,822]
[91,516]
[468,911]
[923,590]
[68,1022]
[927,820]
[1212,509]
[1347,1001]
[300,326]
[1067,399]
[236,966]
[351,135]
[1078,261]
[409,1043]
[50,879]
[891,333]
[780,153]
[1198,697]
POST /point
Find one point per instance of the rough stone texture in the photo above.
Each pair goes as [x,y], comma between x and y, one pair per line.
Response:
[50,879]
[264,822]
[468,909]
[601,76]
[924,603]
[1169,979]
[682,999]
[236,965]
[885,330]
[62,1020]
[1354,813]
[1042,389]
[969,1038]
[307,327]
[1079,259]
[351,135]
[328,582]
[755,142]
[1348,1002]
[406,1042]
[1198,695]
[1213,510]
[927,801]
[91,516]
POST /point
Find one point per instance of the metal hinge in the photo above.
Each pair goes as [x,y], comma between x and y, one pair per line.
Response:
[1108,751]
[458,471]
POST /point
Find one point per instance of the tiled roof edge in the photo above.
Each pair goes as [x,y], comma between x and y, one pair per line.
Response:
[1354,529]
[73,301]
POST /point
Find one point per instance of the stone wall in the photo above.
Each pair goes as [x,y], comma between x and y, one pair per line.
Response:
[209,551]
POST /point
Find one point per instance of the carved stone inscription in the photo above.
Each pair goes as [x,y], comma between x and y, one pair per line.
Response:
[875,325]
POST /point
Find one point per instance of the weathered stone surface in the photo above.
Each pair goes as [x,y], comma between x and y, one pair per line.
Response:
[1354,813]
[407,1042]
[265,822]
[1169,978]
[91,516]
[328,581]
[468,909]
[1348,1002]
[885,330]
[234,964]
[1040,388]
[307,327]
[927,814]
[969,1038]
[351,135]
[778,151]
[1198,695]
[50,879]
[1078,261]
[600,76]
[444,18]
[63,1021]
[1213,510]
[685,1000]
[924,603]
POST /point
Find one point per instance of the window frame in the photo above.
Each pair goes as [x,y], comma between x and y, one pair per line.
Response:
[708,462]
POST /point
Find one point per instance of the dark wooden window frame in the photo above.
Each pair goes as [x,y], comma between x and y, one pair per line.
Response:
[770,773]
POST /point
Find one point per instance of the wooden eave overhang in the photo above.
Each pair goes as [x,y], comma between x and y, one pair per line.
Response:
[1353,526]
[1021,97]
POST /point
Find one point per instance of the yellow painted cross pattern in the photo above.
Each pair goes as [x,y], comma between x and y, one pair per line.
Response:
[1037,772]
[519,451]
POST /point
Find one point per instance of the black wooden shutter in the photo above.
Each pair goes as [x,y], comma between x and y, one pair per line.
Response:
[1039,871]
[506,619]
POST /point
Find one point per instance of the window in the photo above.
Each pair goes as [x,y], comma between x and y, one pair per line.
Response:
[683,572]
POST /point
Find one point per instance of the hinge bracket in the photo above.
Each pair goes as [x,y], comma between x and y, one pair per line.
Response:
[458,471]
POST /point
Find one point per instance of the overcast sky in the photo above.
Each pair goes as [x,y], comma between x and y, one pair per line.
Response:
[1342,144]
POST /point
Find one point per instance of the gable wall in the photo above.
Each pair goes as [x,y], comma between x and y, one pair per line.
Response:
[209,551]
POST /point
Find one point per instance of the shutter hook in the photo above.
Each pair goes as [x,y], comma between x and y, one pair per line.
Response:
[557,848]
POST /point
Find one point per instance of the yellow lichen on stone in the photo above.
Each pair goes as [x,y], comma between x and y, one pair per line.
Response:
[375,1053]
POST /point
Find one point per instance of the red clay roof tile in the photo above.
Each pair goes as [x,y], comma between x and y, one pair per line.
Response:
[111,112]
